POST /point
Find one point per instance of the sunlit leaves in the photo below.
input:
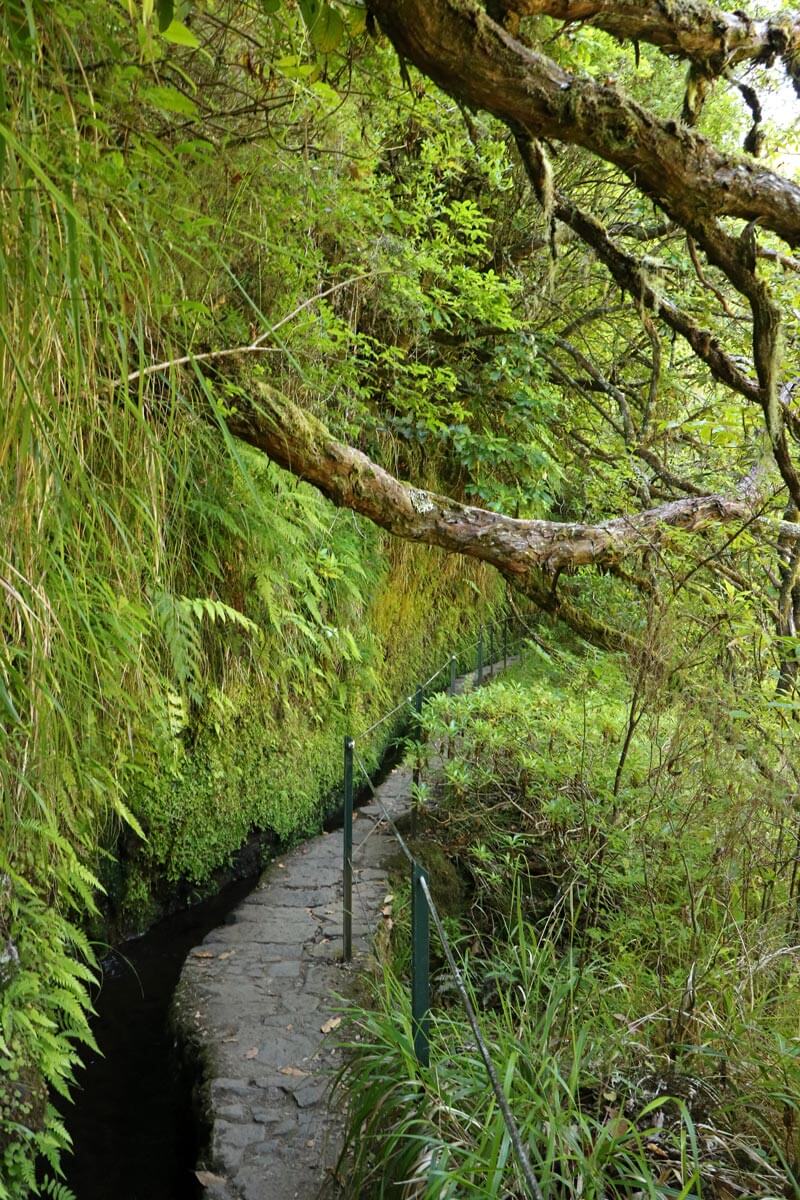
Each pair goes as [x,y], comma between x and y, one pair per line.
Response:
[325,25]
[169,99]
[180,35]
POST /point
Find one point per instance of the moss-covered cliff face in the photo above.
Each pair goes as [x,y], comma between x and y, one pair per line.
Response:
[265,753]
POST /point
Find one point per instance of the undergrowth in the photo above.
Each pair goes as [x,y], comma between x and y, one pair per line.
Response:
[628,927]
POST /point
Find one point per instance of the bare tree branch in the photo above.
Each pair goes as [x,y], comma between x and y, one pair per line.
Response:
[711,38]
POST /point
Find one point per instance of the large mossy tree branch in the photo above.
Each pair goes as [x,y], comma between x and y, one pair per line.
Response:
[530,554]
[458,45]
[711,38]
[519,549]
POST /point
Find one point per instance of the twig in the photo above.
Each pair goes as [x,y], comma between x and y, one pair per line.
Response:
[254,347]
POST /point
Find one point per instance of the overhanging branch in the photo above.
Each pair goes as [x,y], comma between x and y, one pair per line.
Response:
[711,38]
[474,58]
[517,548]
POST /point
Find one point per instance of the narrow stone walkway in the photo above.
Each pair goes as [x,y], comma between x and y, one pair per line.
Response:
[257,1004]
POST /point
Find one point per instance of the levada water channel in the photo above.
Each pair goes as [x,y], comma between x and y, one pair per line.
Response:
[134,1133]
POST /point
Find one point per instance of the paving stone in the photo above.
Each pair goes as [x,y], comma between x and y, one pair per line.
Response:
[233,1112]
[283,969]
[312,1094]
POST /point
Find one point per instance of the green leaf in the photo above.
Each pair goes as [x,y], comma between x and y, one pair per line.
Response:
[166,13]
[325,26]
[180,35]
[292,68]
[356,18]
[171,100]
[271,6]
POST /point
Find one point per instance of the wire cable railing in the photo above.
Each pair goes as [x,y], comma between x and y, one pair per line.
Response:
[423,907]
[491,1070]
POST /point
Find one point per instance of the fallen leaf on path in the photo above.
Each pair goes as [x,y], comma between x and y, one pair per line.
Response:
[203,953]
[252,1052]
[227,954]
[208,1179]
[388,899]
[294,1071]
[333,1023]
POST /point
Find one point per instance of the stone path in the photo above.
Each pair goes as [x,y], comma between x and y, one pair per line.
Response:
[256,1001]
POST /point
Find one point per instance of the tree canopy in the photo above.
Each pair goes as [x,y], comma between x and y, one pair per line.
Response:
[718,274]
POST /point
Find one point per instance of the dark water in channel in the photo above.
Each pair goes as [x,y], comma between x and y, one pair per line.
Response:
[131,1124]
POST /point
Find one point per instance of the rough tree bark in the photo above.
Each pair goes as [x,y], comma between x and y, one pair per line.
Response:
[472,57]
[711,38]
[528,553]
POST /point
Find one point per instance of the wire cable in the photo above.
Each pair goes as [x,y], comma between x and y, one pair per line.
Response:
[410,699]
[502,1099]
[384,810]
[386,716]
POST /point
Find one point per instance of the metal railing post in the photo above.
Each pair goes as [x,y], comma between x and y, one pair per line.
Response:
[491,647]
[420,964]
[452,687]
[480,657]
[347,873]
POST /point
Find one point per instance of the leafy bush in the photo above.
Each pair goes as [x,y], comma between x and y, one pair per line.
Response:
[628,937]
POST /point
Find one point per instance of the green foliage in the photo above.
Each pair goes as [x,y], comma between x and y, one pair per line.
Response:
[177,615]
[629,934]
[440,1130]
[196,196]
[46,969]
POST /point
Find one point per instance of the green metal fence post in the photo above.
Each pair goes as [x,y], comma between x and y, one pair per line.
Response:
[480,657]
[491,647]
[347,874]
[420,964]
[452,687]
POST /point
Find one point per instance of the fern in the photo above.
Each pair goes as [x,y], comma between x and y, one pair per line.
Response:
[181,633]
[181,619]
[56,1190]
